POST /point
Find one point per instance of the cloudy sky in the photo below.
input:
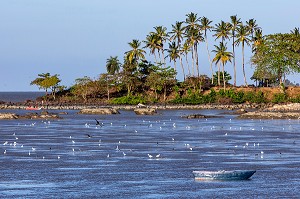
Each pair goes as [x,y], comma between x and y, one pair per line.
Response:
[74,38]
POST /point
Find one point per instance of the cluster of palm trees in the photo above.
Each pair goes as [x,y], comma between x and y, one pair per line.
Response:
[183,41]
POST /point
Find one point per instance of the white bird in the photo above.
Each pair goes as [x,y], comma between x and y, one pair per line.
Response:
[173,139]
[73,149]
[33,149]
[150,156]
[4,152]
[29,153]
[124,154]
[117,148]
[58,157]
[108,155]
[73,141]
[157,156]
[17,138]
[225,133]
[5,143]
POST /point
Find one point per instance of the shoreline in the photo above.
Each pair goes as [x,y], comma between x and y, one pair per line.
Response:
[132,107]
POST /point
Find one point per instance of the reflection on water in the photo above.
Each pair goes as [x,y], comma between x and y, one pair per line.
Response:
[147,156]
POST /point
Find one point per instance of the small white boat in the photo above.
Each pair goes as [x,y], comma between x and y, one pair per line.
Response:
[223,175]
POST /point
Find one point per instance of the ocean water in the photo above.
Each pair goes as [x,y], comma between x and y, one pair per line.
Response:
[19,96]
[74,158]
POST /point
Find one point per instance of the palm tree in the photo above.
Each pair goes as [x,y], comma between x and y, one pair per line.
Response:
[243,37]
[162,35]
[235,22]
[222,30]
[112,65]
[136,53]
[192,21]
[222,56]
[152,43]
[257,40]
[252,25]
[177,34]
[205,26]
[194,37]
[173,53]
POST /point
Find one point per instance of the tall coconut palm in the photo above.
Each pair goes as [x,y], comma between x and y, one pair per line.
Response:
[162,35]
[173,53]
[177,35]
[186,48]
[242,36]
[222,30]
[194,37]
[222,56]
[192,21]
[235,22]
[152,43]
[205,26]
[252,25]
[112,65]
[257,40]
[136,53]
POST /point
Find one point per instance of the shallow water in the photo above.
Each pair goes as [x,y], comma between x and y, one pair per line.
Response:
[54,170]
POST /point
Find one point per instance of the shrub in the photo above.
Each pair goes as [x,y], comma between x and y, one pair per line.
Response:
[279,98]
[131,100]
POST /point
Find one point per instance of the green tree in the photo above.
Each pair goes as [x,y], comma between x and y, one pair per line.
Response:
[46,81]
[243,38]
[81,87]
[222,56]
[113,65]
[227,77]
[278,54]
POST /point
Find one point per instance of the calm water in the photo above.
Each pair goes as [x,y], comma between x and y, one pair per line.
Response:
[19,96]
[84,170]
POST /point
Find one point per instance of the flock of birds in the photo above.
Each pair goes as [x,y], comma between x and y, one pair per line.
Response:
[13,142]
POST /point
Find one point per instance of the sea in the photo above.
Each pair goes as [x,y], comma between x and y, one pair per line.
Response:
[136,156]
[19,96]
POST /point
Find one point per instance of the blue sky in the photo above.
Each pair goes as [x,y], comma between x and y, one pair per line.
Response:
[73,38]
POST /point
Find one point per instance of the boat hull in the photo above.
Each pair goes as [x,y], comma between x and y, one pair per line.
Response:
[223,175]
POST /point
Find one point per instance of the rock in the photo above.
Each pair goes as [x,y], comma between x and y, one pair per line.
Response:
[199,116]
[270,115]
[99,111]
[8,116]
[145,111]
[285,108]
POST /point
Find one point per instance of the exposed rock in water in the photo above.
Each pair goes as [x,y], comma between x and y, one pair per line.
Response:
[284,108]
[145,111]
[8,116]
[28,116]
[99,111]
[269,115]
[199,116]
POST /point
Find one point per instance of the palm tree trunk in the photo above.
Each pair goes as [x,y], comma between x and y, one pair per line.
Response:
[234,66]
[163,57]
[193,61]
[210,62]
[224,83]
[155,57]
[187,62]
[219,81]
[243,46]
[175,67]
[197,60]
[180,59]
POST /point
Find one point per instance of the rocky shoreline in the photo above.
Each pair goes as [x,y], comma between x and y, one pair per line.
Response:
[244,111]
